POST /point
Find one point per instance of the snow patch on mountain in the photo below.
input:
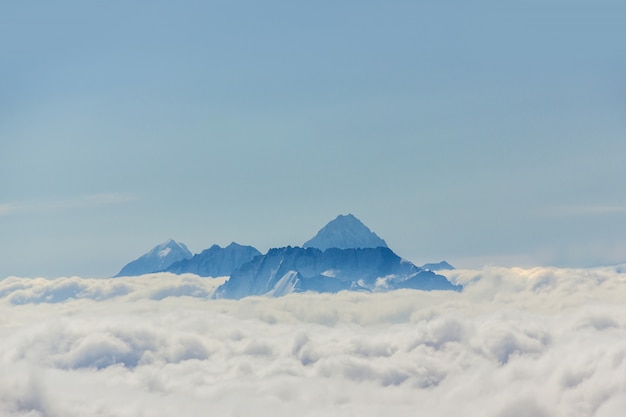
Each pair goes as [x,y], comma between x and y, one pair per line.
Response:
[164,252]
[286,284]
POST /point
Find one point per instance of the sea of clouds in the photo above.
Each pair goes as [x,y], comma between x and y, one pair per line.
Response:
[515,343]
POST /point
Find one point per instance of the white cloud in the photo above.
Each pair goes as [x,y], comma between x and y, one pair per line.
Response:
[83,201]
[516,342]
[152,286]
[9,208]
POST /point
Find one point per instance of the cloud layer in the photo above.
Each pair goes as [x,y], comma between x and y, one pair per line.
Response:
[516,342]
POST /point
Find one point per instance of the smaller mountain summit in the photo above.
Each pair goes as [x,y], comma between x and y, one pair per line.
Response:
[345,232]
[157,259]
[440,266]
[215,261]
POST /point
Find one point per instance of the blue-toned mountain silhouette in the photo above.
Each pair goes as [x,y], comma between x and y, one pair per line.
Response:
[292,269]
[156,259]
[215,261]
[344,255]
[345,232]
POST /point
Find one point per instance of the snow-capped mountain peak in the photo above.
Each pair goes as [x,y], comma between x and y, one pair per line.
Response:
[345,232]
[157,259]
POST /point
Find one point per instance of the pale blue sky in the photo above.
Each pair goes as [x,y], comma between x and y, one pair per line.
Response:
[468,131]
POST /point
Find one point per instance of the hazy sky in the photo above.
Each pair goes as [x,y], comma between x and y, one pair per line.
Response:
[468,131]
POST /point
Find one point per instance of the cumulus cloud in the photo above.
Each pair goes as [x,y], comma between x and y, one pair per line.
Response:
[516,342]
[15,290]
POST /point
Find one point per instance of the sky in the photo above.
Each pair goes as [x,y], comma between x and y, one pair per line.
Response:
[516,342]
[474,132]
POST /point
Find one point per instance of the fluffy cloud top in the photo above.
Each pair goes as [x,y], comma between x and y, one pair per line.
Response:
[516,342]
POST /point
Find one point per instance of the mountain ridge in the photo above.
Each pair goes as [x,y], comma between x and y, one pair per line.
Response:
[295,269]
[438,266]
[215,261]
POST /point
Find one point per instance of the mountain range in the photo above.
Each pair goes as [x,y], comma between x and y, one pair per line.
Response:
[344,255]
[293,269]
[215,261]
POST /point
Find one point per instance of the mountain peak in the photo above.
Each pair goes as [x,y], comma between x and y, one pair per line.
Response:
[157,259]
[345,232]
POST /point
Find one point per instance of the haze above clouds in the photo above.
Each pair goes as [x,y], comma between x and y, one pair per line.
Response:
[476,133]
[516,342]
